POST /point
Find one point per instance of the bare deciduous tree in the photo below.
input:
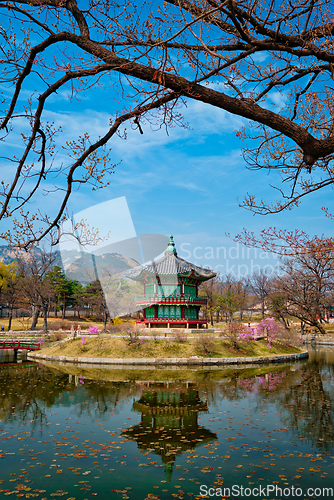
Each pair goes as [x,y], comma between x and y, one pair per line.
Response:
[34,288]
[268,62]
[241,295]
[260,285]
[306,286]
[9,288]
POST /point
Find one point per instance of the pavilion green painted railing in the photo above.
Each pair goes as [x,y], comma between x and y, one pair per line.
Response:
[181,299]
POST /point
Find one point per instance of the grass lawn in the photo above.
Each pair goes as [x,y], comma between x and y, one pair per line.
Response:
[114,347]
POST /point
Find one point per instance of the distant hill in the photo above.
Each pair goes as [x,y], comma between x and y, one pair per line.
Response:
[7,254]
[80,266]
[85,267]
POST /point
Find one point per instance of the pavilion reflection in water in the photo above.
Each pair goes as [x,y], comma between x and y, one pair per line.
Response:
[169,422]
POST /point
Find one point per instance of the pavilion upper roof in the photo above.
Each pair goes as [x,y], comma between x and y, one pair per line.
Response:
[171,265]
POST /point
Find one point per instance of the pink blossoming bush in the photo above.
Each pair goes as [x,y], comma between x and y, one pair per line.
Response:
[83,339]
[93,329]
[247,333]
[269,328]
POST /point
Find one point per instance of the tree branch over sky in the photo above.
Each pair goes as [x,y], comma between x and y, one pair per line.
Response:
[151,57]
[288,244]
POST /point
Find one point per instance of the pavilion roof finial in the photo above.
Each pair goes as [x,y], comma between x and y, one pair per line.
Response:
[171,245]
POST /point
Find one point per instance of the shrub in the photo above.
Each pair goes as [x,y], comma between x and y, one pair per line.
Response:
[205,344]
[270,329]
[117,321]
[170,348]
[247,333]
[58,336]
[59,324]
[132,337]
[93,330]
[54,337]
[180,337]
[233,333]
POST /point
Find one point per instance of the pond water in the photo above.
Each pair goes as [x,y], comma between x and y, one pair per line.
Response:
[250,432]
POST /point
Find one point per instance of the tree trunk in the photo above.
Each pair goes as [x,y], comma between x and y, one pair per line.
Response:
[284,321]
[262,308]
[64,308]
[105,319]
[45,317]
[320,328]
[10,318]
[35,315]
[56,312]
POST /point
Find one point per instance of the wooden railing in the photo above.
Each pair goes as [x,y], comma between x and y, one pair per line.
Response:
[180,299]
[19,344]
[173,320]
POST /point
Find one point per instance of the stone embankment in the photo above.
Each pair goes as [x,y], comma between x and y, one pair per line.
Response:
[317,339]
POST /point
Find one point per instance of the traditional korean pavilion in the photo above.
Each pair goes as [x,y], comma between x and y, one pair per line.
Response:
[171,291]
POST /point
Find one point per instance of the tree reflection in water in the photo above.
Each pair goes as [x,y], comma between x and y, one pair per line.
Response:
[302,392]
[308,403]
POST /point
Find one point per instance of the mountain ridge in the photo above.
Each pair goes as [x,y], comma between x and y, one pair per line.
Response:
[80,266]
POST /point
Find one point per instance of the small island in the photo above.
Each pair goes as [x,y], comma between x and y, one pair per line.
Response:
[172,349]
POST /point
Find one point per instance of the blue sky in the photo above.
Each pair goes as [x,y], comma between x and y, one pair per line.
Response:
[188,184]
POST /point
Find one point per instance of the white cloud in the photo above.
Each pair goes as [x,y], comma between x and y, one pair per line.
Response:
[279,99]
[189,185]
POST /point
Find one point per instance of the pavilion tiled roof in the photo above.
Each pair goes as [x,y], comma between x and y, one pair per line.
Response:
[171,264]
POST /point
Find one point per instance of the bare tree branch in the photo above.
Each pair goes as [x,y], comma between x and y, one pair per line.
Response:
[181,50]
